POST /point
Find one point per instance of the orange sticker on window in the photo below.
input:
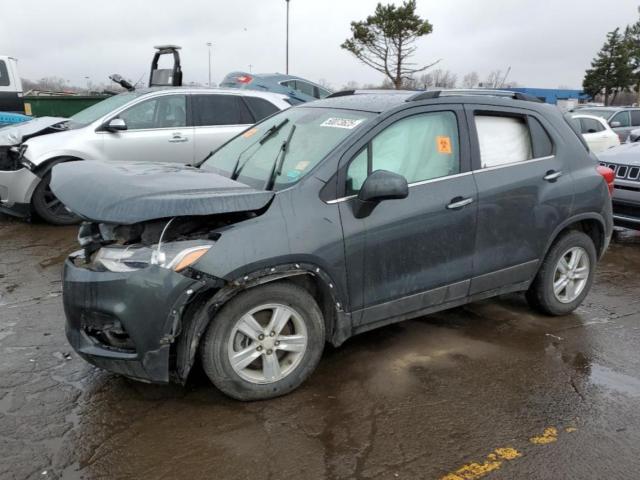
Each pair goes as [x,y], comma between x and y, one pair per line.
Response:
[444,144]
[250,133]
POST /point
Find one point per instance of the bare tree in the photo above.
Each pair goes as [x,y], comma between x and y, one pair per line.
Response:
[351,85]
[470,80]
[493,80]
[438,78]
[324,83]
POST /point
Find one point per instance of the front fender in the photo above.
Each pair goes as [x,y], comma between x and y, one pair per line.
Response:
[195,325]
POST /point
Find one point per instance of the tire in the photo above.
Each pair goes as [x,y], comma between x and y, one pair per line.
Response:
[259,380]
[48,207]
[552,273]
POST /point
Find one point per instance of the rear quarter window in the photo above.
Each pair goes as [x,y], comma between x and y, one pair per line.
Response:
[4,75]
[217,109]
[260,108]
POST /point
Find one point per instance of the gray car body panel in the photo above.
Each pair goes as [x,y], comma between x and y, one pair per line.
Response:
[127,193]
[409,256]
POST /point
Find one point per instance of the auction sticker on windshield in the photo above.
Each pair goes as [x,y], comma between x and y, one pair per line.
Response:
[347,123]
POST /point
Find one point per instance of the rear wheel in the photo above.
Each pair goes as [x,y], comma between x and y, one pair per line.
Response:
[264,343]
[566,275]
[48,207]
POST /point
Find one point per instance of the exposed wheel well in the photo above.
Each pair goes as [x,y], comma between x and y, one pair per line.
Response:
[321,292]
[42,169]
[199,313]
[592,228]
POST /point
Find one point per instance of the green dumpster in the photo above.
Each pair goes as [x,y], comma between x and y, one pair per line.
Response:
[59,106]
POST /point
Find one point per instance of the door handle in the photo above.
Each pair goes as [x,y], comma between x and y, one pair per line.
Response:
[459,202]
[178,138]
[552,175]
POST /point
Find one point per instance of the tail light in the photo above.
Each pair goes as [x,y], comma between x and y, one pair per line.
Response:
[608,175]
[244,79]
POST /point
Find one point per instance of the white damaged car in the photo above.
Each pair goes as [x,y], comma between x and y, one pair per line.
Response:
[179,125]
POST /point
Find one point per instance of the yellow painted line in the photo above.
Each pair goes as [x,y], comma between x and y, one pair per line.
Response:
[549,435]
[493,462]
[496,459]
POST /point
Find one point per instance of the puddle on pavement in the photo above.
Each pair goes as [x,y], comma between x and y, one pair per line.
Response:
[614,381]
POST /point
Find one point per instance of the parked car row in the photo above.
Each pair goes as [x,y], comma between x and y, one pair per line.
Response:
[621,119]
[324,221]
[180,125]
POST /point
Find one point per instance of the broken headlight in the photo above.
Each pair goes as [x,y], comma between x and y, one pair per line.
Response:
[173,255]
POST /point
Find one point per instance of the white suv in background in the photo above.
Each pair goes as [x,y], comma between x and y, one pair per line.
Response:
[180,125]
[596,132]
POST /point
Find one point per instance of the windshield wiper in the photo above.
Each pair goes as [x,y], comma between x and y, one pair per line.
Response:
[276,170]
[237,168]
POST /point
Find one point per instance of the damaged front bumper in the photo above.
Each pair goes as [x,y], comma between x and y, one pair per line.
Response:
[125,322]
[16,189]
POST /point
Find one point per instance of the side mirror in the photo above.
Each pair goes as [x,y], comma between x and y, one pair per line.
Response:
[378,186]
[614,124]
[115,125]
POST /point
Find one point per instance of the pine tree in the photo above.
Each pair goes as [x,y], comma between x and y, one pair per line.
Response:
[611,71]
[632,38]
[385,40]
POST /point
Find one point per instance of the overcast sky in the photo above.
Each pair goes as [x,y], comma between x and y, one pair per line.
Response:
[547,43]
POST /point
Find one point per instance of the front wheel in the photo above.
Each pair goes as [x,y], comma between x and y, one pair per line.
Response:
[48,207]
[265,342]
[566,275]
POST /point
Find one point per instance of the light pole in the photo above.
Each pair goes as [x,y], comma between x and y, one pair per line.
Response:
[209,45]
[88,79]
[287,64]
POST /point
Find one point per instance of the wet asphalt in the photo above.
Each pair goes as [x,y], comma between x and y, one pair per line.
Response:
[491,390]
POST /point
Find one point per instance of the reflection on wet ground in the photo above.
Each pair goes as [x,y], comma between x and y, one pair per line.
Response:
[491,389]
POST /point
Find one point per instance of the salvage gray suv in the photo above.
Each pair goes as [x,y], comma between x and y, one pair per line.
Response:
[324,221]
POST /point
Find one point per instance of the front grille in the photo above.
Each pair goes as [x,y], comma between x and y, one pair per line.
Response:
[624,172]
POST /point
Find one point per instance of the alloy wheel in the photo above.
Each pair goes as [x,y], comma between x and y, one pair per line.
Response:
[267,343]
[571,274]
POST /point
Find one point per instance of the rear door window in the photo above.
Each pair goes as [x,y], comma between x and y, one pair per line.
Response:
[260,107]
[503,139]
[635,118]
[214,109]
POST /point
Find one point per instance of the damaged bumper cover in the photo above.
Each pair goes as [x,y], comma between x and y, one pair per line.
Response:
[16,189]
[125,322]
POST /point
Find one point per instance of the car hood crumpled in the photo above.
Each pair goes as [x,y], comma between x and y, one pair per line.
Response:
[12,135]
[127,193]
[625,154]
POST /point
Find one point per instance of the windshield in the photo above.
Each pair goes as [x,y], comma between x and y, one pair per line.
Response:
[100,109]
[605,114]
[294,141]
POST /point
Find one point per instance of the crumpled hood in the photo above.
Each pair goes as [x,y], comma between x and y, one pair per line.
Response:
[15,134]
[625,154]
[126,193]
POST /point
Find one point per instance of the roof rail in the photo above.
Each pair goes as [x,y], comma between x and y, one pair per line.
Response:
[432,94]
[342,93]
[369,91]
